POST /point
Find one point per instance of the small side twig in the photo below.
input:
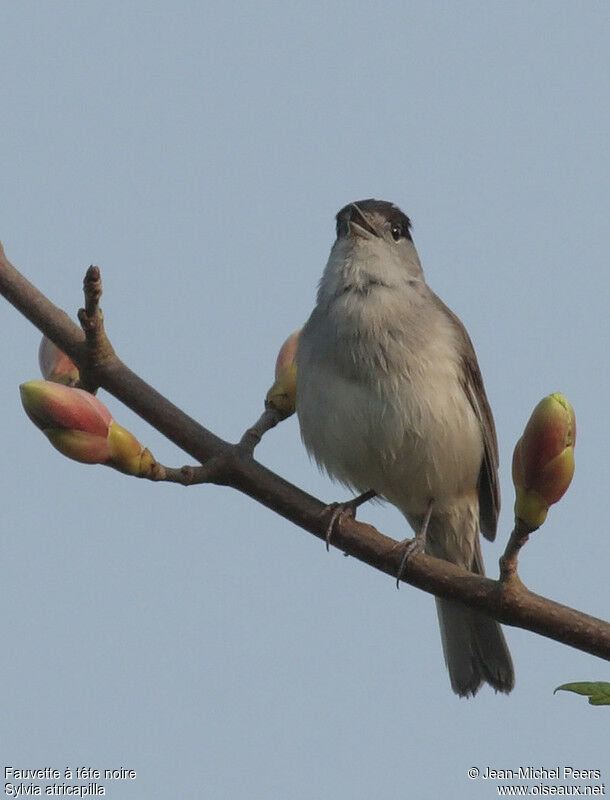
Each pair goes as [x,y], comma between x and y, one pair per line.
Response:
[267,420]
[91,319]
[510,558]
[215,470]
[92,289]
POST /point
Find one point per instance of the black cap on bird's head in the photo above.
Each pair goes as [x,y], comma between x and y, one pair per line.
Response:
[368,218]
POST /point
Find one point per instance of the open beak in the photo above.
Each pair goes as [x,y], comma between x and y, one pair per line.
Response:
[359,225]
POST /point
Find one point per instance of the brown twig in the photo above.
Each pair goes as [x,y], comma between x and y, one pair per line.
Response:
[232,465]
[267,420]
[510,559]
[91,319]
[216,467]
[215,470]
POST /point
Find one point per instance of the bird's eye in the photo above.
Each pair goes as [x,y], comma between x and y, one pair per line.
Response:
[396,232]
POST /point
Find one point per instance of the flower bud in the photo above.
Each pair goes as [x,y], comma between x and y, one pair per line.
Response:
[543,460]
[54,406]
[88,448]
[126,452]
[55,365]
[81,427]
[282,395]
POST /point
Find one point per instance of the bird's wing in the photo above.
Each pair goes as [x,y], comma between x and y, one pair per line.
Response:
[488,485]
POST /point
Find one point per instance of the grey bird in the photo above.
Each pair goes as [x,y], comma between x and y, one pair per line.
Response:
[390,398]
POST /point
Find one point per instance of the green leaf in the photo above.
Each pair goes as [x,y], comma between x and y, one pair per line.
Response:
[598,692]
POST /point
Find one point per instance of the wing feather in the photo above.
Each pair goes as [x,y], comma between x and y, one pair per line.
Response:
[488,485]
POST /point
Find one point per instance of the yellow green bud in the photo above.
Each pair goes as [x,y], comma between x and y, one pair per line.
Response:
[282,395]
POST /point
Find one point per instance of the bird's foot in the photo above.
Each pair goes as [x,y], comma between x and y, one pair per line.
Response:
[414,545]
[348,509]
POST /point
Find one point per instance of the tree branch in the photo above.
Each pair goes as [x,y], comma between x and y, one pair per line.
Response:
[508,600]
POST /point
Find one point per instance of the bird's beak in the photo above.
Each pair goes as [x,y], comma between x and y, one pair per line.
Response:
[359,225]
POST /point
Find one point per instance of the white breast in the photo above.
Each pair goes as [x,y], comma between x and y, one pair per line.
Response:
[382,406]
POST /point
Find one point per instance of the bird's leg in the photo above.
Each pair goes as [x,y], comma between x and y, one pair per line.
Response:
[349,508]
[416,544]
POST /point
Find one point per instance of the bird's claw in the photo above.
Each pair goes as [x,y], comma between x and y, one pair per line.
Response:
[415,545]
[340,510]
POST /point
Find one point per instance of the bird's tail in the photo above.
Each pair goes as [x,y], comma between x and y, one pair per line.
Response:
[473,643]
[474,648]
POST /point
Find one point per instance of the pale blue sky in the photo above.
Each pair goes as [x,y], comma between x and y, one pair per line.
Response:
[197,152]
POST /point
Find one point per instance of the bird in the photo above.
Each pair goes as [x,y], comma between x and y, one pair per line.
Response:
[390,400]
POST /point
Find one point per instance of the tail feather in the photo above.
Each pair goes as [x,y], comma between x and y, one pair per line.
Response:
[474,648]
[473,644]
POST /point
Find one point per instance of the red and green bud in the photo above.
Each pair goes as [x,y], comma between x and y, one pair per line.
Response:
[55,365]
[283,394]
[81,427]
[543,461]
[127,454]
[54,406]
